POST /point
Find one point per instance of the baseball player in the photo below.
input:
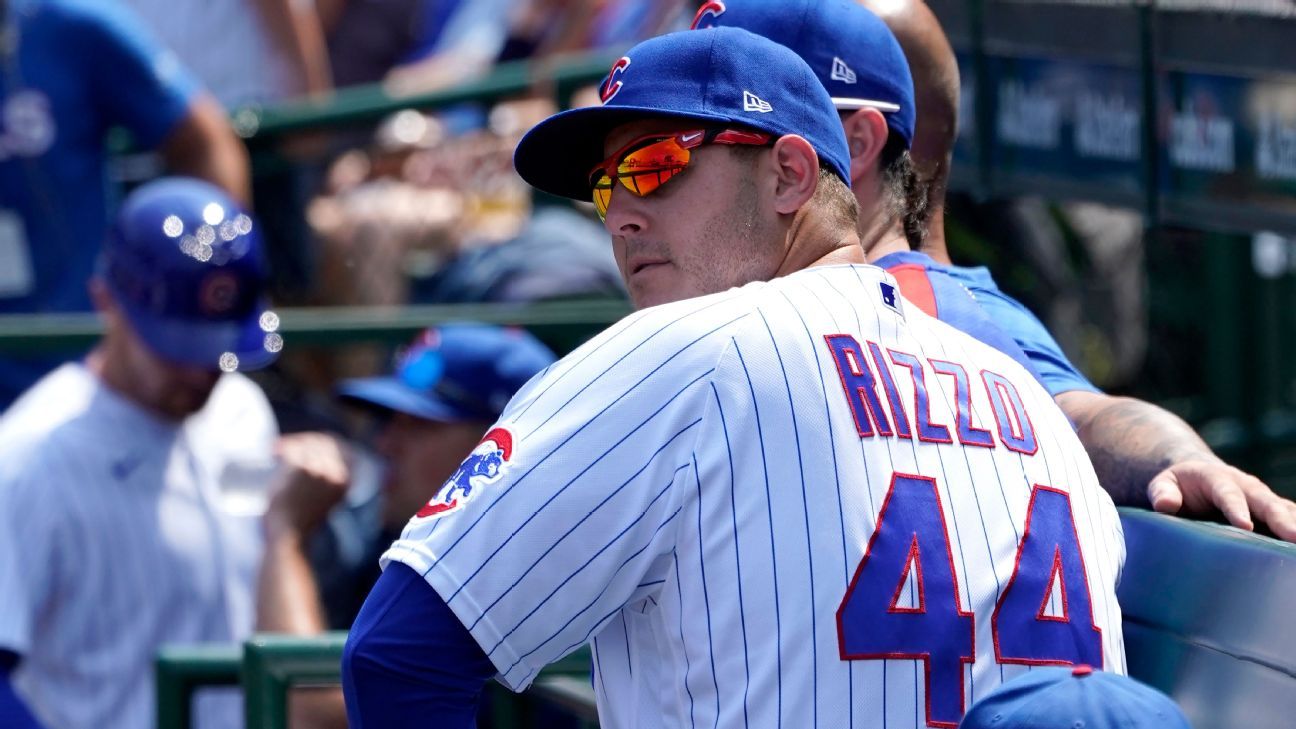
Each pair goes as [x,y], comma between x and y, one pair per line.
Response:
[320,562]
[448,385]
[73,70]
[120,527]
[778,495]
[1145,456]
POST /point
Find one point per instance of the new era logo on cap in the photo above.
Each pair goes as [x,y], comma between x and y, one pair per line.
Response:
[752,102]
[842,72]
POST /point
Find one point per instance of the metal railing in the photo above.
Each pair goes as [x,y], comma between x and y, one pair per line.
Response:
[274,664]
[270,666]
[335,326]
[182,670]
[359,105]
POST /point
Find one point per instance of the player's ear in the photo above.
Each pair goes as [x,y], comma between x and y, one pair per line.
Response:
[866,135]
[796,167]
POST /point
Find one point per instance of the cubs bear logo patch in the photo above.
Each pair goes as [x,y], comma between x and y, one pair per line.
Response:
[482,467]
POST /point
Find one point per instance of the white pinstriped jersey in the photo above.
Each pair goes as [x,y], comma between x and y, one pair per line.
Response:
[115,538]
[744,502]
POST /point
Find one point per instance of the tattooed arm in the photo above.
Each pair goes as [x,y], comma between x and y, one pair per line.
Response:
[1148,457]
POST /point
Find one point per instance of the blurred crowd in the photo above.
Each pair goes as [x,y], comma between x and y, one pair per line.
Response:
[381,215]
[219,506]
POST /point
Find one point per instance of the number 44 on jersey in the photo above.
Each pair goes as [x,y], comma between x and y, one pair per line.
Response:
[903,601]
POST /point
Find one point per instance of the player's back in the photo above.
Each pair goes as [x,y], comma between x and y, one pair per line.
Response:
[858,529]
[798,503]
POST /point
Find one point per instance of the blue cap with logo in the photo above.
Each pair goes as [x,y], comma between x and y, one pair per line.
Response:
[184,262]
[729,76]
[455,373]
[852,51]
[1064,697]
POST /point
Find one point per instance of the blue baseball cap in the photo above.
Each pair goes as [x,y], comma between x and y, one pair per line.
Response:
[455,373]
[1064,697]
[855,55]
[184,261]
[729,76]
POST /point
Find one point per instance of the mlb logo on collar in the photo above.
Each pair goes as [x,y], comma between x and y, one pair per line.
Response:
[890,296]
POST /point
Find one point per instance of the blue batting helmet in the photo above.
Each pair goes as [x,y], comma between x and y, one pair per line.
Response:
[185,263]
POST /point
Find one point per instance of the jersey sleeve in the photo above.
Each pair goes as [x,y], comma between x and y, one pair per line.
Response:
[30,556]
[407,658]
[135,82]
[1055,371]
[570,505]
[14,714]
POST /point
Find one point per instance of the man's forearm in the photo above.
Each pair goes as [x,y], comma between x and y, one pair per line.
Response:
[1130,441]
[204,145]
[288,602]
[295,27]
[287,595]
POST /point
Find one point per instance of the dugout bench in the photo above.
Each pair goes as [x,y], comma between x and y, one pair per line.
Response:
[1207,619]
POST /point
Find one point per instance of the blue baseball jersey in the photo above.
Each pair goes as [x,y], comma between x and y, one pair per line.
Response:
[80,67]
[797,503]
[1056,371]
[924,282]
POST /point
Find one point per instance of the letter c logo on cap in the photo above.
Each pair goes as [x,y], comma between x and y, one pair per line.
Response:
[613,83]
[707,15]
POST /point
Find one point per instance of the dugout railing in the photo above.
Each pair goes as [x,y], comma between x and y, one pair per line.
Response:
[1206,619]
[268,667]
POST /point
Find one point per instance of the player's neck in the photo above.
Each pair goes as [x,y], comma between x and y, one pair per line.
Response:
[880,232]
[815,240]
[934,243]
[115,374]
[104,366]
[880,236]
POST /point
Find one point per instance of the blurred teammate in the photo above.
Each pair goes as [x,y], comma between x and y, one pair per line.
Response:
[120,529]
[321,561]
[449,385]
[73,69]
[777,495]
[901,145]
[1069,698]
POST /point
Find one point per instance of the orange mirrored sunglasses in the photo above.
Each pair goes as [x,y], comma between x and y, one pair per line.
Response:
[646,163]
